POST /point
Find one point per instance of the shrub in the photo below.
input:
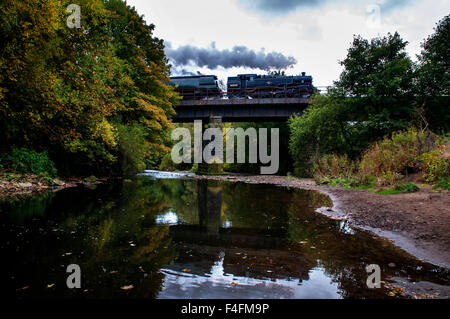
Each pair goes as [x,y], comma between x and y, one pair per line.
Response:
[394,157]
[334,166]
[23,160]
[435,165]
[443,183]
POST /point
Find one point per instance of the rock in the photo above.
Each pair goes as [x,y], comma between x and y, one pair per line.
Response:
[58,182]
[24,185]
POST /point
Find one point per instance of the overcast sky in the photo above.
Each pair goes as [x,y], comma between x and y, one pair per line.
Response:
[305,35]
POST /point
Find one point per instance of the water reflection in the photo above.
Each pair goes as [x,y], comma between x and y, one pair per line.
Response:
[177,238]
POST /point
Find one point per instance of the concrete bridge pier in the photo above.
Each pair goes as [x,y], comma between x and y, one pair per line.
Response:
[213,168]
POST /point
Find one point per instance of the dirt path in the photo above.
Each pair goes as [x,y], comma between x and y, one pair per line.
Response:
[417,222]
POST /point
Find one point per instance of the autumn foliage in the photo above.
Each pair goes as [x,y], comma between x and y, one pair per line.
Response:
[74,92]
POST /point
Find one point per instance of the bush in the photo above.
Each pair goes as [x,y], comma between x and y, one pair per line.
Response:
[334,166]
[394,157]
[386,162]
[443,183]
[435,165]
[23,160]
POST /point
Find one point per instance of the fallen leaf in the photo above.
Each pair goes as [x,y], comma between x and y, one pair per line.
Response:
[129,287]
[186,270]
[233,283]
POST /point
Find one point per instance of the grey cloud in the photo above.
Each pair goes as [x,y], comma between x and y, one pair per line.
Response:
[238,56]
[283,6]
[287,6]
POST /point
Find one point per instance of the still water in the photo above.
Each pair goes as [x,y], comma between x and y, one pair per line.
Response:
[162,236]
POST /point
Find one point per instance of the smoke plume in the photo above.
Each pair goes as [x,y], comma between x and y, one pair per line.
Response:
[238,56]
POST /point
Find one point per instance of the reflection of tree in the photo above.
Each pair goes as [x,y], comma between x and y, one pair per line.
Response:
[25,208]
[109,232]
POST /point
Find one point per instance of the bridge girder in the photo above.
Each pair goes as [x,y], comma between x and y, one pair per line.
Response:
[240,110]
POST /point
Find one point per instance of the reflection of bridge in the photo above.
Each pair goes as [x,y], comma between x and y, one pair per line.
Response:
[240,109]
[249,252]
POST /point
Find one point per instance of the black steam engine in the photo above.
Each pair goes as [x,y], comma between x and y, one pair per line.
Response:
[250,86]
[269,86]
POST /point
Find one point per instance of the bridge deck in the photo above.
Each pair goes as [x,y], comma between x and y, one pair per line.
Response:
[240,110]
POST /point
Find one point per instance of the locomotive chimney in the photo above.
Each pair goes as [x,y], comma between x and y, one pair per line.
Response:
[303,73]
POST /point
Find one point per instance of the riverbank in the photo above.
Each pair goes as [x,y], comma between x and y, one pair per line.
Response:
[417,222]
[29,184]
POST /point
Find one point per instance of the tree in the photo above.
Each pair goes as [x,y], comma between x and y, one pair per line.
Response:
[433,76]
[378,80]
[321,129]
[69,91]
[144,87]
[372,98]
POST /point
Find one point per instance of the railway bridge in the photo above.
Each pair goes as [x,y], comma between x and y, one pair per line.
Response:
[248,107]
[240,109]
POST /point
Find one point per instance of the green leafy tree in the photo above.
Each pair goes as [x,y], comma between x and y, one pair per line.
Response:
[372,98]
[433,76]
[378,81]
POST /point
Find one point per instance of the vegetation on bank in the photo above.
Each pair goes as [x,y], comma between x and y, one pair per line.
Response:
[93,100]
[380,121]
[388,162]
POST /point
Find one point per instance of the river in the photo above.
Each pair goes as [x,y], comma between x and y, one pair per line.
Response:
[166,235]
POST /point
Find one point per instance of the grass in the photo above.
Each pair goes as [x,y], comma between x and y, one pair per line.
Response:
[349,184]
[443,183]
[399,189]
[345,183]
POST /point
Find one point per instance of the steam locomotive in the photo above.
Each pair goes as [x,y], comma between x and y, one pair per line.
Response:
[250,86]
[198,87]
